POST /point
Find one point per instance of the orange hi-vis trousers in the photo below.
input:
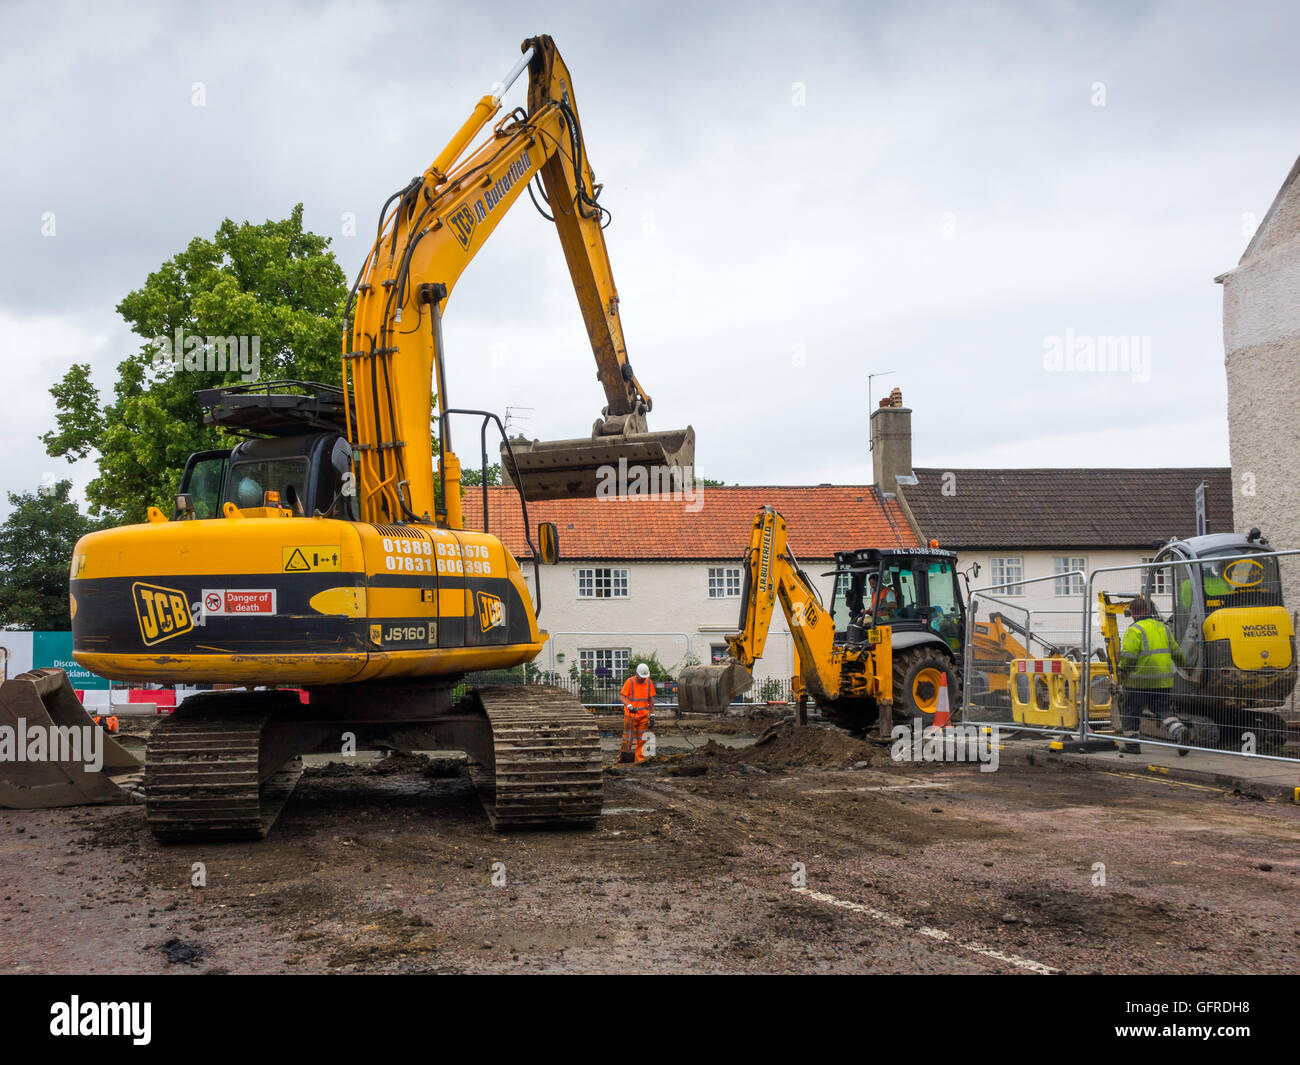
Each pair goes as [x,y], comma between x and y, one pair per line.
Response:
[635,723]
[636,718]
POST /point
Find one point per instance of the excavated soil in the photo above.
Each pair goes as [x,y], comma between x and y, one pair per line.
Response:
[778,857]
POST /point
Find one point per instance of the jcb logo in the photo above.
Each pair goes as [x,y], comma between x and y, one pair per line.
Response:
[161,612]
[491,611]
[462,224]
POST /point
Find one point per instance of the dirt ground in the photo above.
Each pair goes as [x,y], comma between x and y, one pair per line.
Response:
[808,852]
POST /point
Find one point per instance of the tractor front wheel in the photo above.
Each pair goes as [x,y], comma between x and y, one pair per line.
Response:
[918,678]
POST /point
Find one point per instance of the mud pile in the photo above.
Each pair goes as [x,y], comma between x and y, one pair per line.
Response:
[783,746]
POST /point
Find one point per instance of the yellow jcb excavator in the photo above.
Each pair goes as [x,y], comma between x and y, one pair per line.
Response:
[317,554]
[872,656]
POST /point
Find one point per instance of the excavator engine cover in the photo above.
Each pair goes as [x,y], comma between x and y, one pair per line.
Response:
[43,701]
[710,689]
[583,469]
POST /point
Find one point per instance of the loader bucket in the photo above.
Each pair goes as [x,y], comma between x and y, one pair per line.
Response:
[577,469]
[43,703]
[710,689]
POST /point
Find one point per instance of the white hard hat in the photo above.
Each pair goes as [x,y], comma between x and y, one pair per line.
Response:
[643,670]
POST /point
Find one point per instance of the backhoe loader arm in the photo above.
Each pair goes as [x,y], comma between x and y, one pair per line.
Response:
[428,233]
[772,575]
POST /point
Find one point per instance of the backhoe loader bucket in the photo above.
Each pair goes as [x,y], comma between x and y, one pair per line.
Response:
[52,753]
[710,689]
[580,469]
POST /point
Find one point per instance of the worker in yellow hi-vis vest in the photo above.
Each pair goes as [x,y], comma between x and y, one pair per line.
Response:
[638,695]
[1146,670]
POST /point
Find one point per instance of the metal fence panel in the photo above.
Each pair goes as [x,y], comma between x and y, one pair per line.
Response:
[1221,623]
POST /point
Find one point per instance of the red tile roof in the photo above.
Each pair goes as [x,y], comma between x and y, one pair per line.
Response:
[821,519]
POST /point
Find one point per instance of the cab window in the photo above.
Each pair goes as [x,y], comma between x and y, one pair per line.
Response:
[205,482]
[902,603]
[847,598]
[250,481]
[945,614]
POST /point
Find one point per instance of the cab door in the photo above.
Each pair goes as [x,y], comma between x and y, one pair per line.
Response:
[1188,615]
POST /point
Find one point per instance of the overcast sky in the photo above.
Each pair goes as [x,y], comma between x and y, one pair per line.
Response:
[803,194]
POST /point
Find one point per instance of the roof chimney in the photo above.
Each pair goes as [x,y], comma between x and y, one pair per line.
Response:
[891,444]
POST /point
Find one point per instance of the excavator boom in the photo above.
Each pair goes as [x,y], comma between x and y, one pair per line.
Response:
[428,233]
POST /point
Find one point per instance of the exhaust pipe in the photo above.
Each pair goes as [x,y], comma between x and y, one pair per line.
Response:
[710,689]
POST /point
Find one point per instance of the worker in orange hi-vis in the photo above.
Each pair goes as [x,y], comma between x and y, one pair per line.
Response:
[638,695]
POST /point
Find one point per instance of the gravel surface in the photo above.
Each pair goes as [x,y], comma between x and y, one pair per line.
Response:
[777,858]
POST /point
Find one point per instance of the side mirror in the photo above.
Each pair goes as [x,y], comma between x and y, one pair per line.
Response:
[548,539]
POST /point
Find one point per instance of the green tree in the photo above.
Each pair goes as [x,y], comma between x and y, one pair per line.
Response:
[36,545]
[274,282]
[472,477]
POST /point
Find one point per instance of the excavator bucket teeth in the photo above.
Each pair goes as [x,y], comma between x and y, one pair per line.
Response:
[58,756]
[710,689]
[580,469]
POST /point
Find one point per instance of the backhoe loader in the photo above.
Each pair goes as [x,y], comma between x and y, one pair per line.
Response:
[318,553]
[872,656]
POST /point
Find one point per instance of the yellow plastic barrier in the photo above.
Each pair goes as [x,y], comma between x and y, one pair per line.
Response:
[1044,692]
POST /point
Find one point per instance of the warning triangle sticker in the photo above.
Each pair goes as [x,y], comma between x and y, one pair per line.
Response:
[297,563]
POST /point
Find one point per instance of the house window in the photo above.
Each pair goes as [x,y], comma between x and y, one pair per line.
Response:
[1007,574]
[1067,584]
[718,653]
[1159,578]
[608,662]
[724,582]
[602,583]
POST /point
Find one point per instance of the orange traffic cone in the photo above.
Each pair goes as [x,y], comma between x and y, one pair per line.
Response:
[942,714]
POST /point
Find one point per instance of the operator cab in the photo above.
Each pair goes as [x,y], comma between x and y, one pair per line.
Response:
[1207,573]
[300,460]
[913,590]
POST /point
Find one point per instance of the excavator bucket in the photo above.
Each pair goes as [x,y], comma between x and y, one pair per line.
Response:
[55,754]
[710,689]
[580,469]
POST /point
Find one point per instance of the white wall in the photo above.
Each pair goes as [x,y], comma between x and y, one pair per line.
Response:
[1059,618]
[1261,341]
[670,598]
